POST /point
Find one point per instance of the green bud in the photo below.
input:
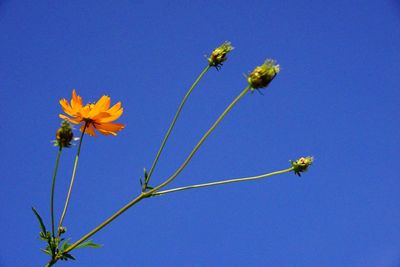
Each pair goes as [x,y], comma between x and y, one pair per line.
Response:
[64,135]
[262,75]
[54,242]
[218,56]
[61,230]
[302,164]
[45,235]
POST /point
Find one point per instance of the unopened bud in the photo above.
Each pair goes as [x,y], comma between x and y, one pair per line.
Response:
[218,56]
[301,165]
[45,235]
[61,230]
[262,75]
[64,135]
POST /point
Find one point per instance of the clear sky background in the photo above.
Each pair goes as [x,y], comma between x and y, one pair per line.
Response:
[336,98]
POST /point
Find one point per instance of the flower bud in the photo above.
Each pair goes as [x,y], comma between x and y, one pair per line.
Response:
[262,75]
[301,165]
[218,56]
[61,230]
[45,236]
[64,135]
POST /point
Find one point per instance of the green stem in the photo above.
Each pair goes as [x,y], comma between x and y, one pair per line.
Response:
[212,128]
[222,182]
[73,177]
[51,262]
[52,190]
[150,192]
[106,222]
[173,123]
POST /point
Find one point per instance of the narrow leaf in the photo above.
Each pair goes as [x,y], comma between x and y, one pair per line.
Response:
[40,220]
[68,256]
[64,245]
[89,243]
[146,175]
[46,251]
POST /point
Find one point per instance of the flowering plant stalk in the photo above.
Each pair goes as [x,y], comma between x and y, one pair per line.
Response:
[99,117]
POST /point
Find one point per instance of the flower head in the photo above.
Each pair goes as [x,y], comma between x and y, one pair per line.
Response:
[218,56]
[64,135]
[302,164]
[93,116]
[262,75]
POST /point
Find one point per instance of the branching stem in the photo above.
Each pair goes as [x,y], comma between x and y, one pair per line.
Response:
[212,128]
[174,121]
[167,181]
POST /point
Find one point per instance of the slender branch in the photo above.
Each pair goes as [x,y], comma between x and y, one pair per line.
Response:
[212,128]
[174,121]
[52,190]
[106,222]
[73,176]
[149,193]
[51,262]
[142,196]
[251,178]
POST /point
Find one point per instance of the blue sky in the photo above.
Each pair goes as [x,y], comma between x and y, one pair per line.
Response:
[336,98]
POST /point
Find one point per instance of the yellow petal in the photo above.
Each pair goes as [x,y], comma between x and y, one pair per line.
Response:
[115,112]
[72,120]
[76,101]
[114,108]
[112,117]
[89,129]
[109,128]
[84,112]
[66,107]
[100,116]
[102,105]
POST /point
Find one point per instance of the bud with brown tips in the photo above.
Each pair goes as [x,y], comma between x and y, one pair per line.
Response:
[218,56]
[302,164]
[262,75]
[64,135]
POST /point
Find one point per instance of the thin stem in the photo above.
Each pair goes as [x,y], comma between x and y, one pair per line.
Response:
[73,176]
[142,196]
[106,222]
[212,128]
[251,178]
[149,193]
[51,262]
[52,190]
[174,121]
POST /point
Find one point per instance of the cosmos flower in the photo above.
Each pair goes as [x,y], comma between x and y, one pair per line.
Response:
[93,116]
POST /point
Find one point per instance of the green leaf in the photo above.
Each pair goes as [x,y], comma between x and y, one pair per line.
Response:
[64,246]
[45,235]
[89,243]
[46,251]
[40,220]
[67,256]
[146,175]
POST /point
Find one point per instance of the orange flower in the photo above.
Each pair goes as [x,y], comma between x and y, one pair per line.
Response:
[97,116]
